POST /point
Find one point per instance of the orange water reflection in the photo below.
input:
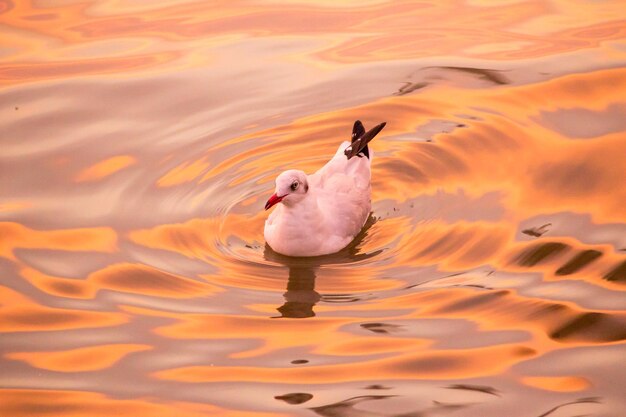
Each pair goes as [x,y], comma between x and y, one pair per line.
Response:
[78,360]
[433,365]
[142,140]
[557,383]
[105,168]
[76,403]
[17,236]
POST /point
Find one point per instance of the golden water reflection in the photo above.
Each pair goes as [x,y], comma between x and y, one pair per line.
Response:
[141,139]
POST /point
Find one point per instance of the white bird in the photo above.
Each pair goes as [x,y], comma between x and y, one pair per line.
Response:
[323,212]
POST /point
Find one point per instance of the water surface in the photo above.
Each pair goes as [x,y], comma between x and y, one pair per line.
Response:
[140,141]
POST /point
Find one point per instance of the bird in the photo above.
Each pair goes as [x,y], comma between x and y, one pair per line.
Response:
[321,213]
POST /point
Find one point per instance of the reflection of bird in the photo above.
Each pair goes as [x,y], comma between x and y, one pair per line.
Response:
[301,296]
[323,212]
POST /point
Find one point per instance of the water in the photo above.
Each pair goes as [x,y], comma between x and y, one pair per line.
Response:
[140,141]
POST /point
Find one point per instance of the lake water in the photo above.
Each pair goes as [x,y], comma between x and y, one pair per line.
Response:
[140,141]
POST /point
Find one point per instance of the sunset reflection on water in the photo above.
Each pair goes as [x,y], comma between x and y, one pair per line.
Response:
[140,141]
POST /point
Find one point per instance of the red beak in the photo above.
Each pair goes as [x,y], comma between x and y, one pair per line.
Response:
[274,199]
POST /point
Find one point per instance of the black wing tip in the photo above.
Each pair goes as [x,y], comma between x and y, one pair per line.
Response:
[379,127]
[371,134]
[357,130]
[360,139]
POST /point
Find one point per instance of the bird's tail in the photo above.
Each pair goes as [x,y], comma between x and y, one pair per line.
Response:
[360,139]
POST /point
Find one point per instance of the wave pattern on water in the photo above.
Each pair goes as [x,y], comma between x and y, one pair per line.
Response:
[140,141]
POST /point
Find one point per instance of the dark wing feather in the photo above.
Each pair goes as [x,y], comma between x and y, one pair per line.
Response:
[357,130]
[359,144]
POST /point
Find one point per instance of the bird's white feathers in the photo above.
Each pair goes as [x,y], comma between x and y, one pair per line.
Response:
[325,212]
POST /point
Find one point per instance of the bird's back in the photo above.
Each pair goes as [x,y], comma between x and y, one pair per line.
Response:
[343,192]
[331,175]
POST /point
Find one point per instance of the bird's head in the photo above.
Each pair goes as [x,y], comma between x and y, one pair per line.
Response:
[291,187]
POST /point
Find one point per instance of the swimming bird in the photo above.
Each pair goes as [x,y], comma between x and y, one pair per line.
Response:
[321,213]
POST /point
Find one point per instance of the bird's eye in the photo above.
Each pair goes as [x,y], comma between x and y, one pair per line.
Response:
[294,185]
